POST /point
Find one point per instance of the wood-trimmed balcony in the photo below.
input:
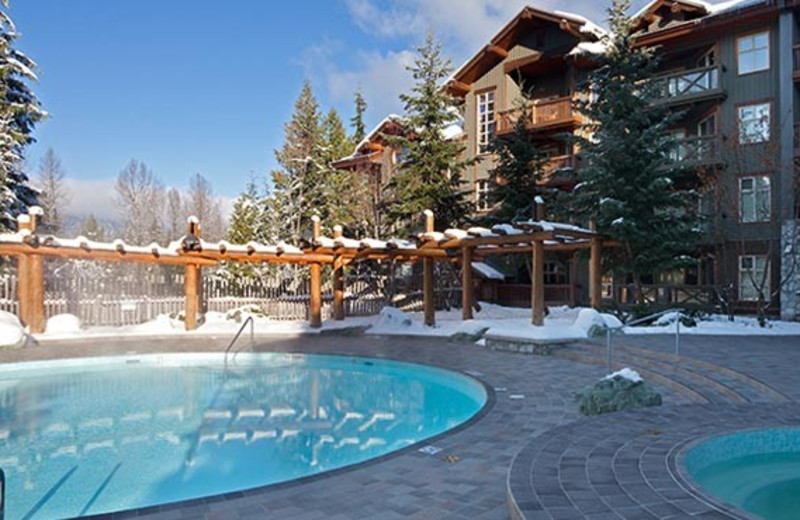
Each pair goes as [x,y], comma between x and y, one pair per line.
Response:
[698,150]
[690,86]
[546,116]
[556,170]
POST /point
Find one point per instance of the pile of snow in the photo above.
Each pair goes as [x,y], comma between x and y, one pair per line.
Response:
[11,331]
[392,320]
[626,373]
[63,324]
[719,325]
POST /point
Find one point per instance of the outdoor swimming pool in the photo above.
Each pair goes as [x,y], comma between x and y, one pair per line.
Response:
[83,437]
[757,471]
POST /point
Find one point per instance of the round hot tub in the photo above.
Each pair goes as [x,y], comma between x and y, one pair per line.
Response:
[756,471]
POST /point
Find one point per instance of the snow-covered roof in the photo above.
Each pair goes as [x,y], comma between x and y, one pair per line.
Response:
[487,271]
[708,7]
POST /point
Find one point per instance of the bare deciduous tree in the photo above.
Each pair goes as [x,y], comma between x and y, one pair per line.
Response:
[54,196]
[201,202]
[140,196]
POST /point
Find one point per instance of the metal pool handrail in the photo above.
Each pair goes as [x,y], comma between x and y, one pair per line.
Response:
[249,321]
[611,330]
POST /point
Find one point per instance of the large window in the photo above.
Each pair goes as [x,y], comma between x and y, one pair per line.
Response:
[754,199]
[486,120]
[752,275]
[482,195]
[754,123]
[753,52]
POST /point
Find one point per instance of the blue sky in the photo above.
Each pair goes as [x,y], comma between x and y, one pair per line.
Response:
[195,86]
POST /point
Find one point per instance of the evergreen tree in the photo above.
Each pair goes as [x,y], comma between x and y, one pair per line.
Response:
[92,229]
[53,196]
[630,186]
[20,111]
[519,167]
[336,192]
[429,177]
[246,216]
[357,121]
[299,160]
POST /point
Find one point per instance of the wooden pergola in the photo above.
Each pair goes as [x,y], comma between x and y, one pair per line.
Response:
[191,251]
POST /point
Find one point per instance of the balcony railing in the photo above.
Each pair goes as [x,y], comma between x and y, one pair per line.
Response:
[689,85]
[545,114]
[797,138]
[697,150]
[796,60]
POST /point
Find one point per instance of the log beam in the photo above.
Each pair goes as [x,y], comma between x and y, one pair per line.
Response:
[192,283]
[537,284]
[338,281]
[427,276]
[595,272]
[315,311]
[466,283]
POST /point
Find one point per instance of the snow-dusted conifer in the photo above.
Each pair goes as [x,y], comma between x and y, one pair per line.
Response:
[357,121]
[631,186]
[20,111]
[53,196]
[520,163]
[299,161]
[429,175]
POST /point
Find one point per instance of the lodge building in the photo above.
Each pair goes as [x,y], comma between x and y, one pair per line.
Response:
[730,69]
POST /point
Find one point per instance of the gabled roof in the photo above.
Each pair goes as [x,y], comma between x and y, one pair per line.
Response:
[499,46]
[691,9]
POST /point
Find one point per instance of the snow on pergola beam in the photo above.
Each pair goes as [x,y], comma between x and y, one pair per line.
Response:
[528,237]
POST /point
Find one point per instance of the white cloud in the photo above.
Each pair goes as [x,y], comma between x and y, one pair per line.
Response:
[92,196]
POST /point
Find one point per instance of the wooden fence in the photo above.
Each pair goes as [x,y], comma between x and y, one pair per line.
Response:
[101,294]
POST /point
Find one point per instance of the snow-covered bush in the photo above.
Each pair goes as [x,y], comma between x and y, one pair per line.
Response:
[61,323]
[621,390]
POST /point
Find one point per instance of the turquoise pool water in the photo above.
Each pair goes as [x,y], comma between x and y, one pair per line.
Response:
[107,434]
[758,471]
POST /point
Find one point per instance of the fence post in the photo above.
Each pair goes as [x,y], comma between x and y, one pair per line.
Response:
[466,283]
[537,283]
[193,277]
[315,315]
[427,276]
[23,275]
[338,280]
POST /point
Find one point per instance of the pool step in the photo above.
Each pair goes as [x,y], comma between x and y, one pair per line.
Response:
[697,381]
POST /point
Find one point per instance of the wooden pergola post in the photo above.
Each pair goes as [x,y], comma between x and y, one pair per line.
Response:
[315,311]
[466,283]
[427,277]
[537,283]
[30,280]
[192,283]
[595,272]
[338,280]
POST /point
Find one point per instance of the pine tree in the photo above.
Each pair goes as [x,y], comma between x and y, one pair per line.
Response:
[92,230]
[336,190]
[357,121]
[246,216]
[299,160]
[53,196]
[630,186]
[519,167]
[20,111]
[429,176]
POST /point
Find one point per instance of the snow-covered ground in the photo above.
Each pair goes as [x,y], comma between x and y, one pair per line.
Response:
[562,322]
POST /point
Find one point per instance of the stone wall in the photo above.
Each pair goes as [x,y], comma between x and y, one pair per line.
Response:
[790,270]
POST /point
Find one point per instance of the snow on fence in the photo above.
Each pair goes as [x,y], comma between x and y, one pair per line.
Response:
[119,296]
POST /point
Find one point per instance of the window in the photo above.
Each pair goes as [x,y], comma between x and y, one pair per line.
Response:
[754,199]
[752,275]
[754,123]
[555,274]
[482,195]
[486,120]
[753,51]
